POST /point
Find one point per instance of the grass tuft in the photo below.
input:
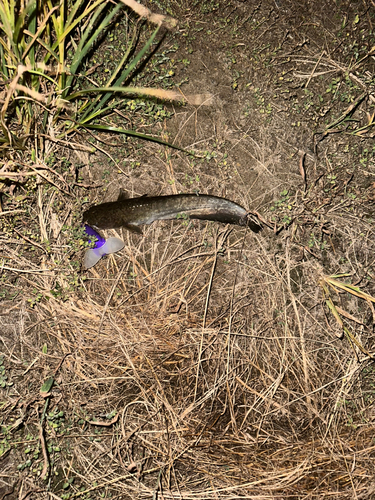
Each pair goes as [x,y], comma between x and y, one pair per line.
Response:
[45,51]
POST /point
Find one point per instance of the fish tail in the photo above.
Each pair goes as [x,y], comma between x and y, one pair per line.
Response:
[92,256]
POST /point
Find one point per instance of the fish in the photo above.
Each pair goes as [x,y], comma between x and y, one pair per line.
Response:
[134,212]
[101,247]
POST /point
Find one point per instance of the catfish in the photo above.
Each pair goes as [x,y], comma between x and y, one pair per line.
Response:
[134,212]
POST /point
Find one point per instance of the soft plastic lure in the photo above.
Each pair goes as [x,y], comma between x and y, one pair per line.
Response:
[101,247]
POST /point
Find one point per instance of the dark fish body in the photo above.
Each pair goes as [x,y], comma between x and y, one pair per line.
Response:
[133,212]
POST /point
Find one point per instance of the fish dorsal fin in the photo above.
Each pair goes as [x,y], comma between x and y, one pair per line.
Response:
[123,195]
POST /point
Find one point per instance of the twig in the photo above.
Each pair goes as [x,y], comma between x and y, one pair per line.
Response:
[30,271]
[17,211]
[44,450]
[32,243]
[314,68]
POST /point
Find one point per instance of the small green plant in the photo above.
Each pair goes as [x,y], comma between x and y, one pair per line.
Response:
[283,202]
[35,299]
[283,209]
[208,155]
[185,218]
[4,446]
[189,180]
[207,6]
[332,87]
[55,419]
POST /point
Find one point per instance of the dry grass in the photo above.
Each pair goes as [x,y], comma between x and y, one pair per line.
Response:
[214,363]
[202,361]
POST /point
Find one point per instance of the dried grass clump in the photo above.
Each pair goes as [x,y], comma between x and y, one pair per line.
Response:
[208,371]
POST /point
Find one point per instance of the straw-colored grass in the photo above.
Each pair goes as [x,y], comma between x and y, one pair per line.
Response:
[202,362]
[198,366]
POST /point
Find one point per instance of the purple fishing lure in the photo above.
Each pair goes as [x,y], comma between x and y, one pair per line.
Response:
[101,248]
[91,232]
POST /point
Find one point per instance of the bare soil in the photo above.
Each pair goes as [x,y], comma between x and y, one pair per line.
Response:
[202,361]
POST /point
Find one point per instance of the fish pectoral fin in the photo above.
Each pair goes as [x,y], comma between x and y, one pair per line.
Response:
[133,227]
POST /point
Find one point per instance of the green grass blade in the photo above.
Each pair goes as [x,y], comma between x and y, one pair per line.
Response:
[124,58]
[73,12]
[7,16]
[3,66]
[54,18]
[89,115]
[70,27]
[58,20]
[354,290]
[125,74]
[84,46]
[93,116]
[334,311]
[42,74]
[100,109]
[344,275]
[18,29]
[7,59]
[7,24]
[32,25]
[49,51]
[105,128]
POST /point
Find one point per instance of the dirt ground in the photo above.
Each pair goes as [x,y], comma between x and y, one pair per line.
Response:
[205,361]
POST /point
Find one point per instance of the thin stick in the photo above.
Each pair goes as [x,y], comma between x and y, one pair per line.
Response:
[314,68]
[44,450]
[204,322]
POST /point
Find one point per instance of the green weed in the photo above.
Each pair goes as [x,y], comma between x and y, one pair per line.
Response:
[46,69]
